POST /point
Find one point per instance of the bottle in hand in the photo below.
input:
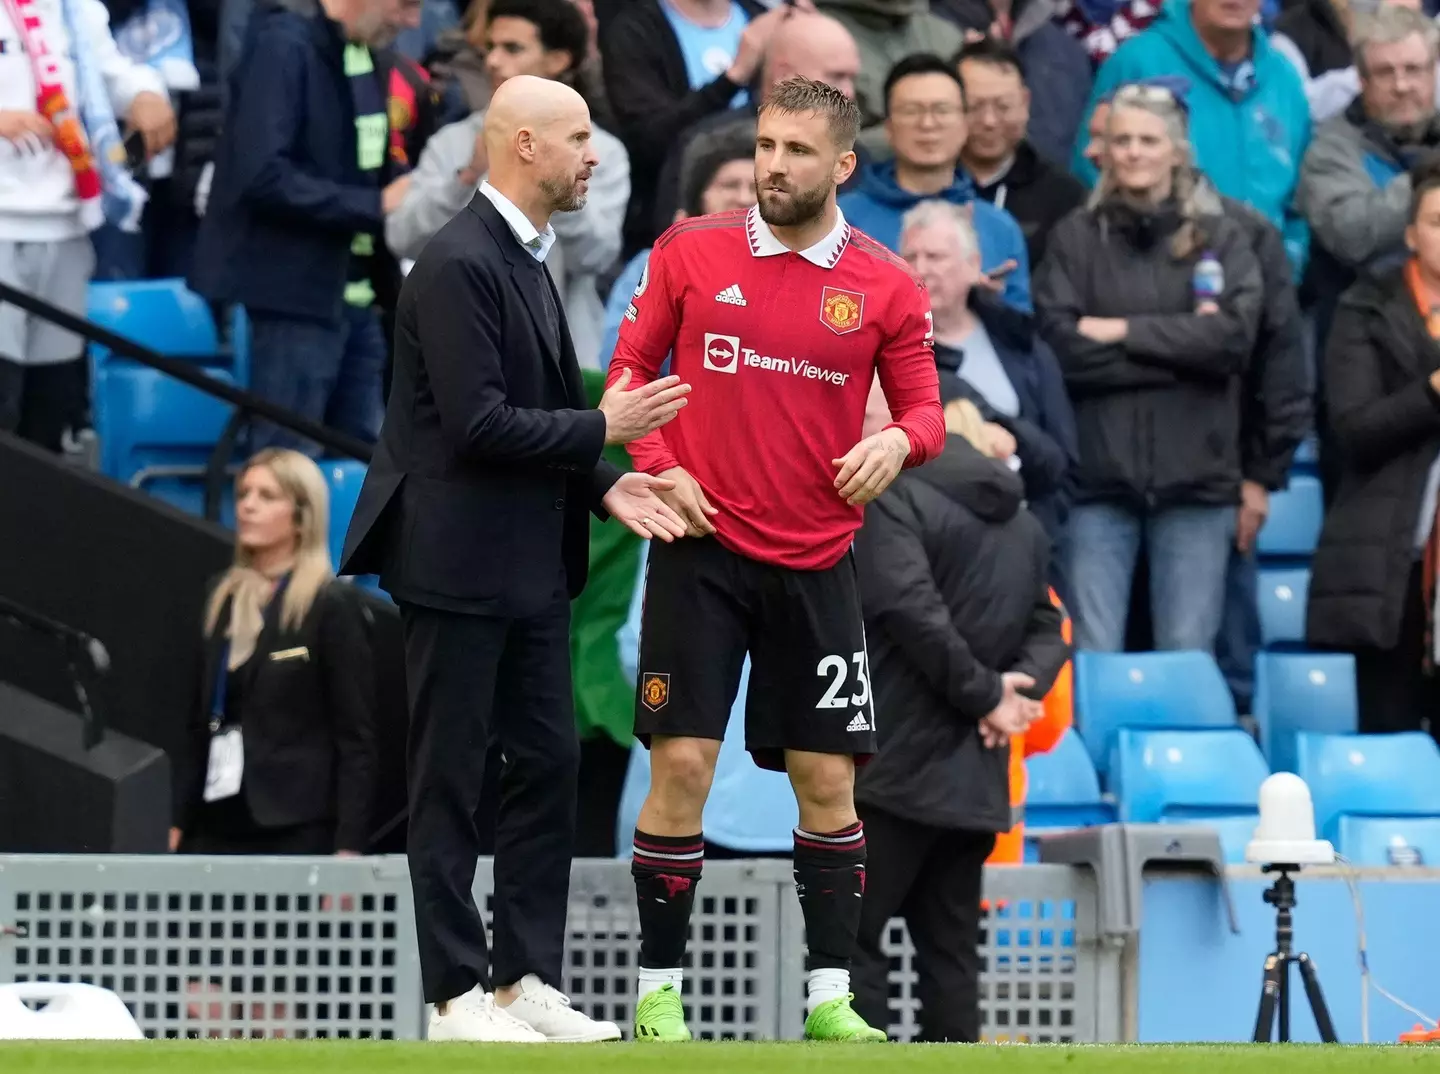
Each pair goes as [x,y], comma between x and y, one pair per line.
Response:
[1208,283]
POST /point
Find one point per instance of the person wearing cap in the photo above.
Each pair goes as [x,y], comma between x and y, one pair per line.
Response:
[963,643]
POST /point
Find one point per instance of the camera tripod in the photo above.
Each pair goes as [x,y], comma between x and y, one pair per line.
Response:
[1275,992]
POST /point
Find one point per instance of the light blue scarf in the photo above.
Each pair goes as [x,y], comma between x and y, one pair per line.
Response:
[159,37]
[123,199]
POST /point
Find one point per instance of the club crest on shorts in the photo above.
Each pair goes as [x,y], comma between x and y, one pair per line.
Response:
[841,310]
[655,691]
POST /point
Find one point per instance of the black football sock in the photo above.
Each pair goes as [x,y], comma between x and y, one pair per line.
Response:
[830,880]
[666,869]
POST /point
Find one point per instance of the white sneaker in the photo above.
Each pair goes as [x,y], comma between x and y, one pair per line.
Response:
[474,1016]
[547,1011]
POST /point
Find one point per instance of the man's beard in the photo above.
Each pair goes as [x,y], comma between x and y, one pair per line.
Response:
[562,195]
[798,207]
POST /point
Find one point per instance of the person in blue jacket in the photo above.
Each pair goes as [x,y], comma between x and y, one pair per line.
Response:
[1249,118]
[926,127]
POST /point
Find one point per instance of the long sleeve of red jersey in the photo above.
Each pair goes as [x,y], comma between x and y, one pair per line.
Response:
[647,335]
[910,380]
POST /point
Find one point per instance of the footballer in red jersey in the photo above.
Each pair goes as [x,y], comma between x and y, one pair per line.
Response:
[780,317]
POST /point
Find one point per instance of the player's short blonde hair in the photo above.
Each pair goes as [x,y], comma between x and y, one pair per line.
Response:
[797,96]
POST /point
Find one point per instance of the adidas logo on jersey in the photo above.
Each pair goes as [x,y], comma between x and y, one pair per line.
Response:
[859,723]
[731,295]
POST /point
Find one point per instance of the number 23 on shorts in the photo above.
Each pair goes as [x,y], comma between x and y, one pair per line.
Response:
[837,669]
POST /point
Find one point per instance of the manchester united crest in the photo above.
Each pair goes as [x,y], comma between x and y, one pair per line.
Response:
[655,691]
[841,310]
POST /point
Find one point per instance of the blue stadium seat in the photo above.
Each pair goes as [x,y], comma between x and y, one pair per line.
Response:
[1282,593]
[163,315]
[1293,528]
[1169,690]
[1307,455]
[1302,692]
[1190,777]
[1062,789]
[1368,776]
[750,810]
[344,478]
[156,433]
[1383,841]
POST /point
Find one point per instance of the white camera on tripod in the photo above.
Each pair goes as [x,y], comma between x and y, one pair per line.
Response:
[1286,832]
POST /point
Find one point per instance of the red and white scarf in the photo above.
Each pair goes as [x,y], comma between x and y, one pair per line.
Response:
[52,102]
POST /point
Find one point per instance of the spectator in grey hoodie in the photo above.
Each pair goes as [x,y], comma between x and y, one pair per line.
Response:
[547,39]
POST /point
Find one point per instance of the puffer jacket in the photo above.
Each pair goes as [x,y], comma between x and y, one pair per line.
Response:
[1385,418]
[953,584]
[1157,414]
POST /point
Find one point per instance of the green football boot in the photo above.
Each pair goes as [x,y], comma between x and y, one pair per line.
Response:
[836,1020]
[660,1016]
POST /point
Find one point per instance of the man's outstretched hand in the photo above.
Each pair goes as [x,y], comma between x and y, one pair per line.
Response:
[634,500]
[868,468]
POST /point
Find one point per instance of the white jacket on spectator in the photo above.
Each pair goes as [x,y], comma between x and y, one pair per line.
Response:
[37,188]
[588,241]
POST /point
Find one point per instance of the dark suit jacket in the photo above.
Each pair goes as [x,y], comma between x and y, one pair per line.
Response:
[476,497]
[308,721]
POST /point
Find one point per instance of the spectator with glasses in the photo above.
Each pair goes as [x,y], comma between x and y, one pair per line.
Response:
[925,125]
[1151,298]
[1009,169]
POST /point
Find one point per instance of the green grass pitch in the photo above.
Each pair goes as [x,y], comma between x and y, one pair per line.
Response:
[362,1057]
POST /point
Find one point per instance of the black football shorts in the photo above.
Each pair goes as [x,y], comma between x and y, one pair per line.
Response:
[706,607]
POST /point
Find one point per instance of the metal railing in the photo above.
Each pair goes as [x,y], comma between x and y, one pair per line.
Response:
[248,406]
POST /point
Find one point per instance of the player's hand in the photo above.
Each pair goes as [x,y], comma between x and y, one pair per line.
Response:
[1254,510]
[26,129]
[688,500]
[635,500]
[176,837]
[629,415]
[868,468]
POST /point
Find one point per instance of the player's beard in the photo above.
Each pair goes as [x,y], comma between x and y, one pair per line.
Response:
[562,194]
[796,207]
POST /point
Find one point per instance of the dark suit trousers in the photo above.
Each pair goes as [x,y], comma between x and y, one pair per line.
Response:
[931,877]
[473,679]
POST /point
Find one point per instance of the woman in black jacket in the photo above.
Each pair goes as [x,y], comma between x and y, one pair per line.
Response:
[1151,299]
[1372,590]
[280,754]
[962,635]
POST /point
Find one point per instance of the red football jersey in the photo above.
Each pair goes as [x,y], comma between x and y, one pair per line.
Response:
[780,349]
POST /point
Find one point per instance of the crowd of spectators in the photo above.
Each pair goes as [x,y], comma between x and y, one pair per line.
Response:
[1164,242]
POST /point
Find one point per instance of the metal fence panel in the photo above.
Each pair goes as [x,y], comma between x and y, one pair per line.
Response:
[322,947]
[1042,963]
[222,947]
[732,963]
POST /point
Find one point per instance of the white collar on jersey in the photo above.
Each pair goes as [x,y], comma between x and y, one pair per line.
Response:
[824,253]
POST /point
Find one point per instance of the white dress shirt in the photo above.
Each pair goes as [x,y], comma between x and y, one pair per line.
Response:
[537,242]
